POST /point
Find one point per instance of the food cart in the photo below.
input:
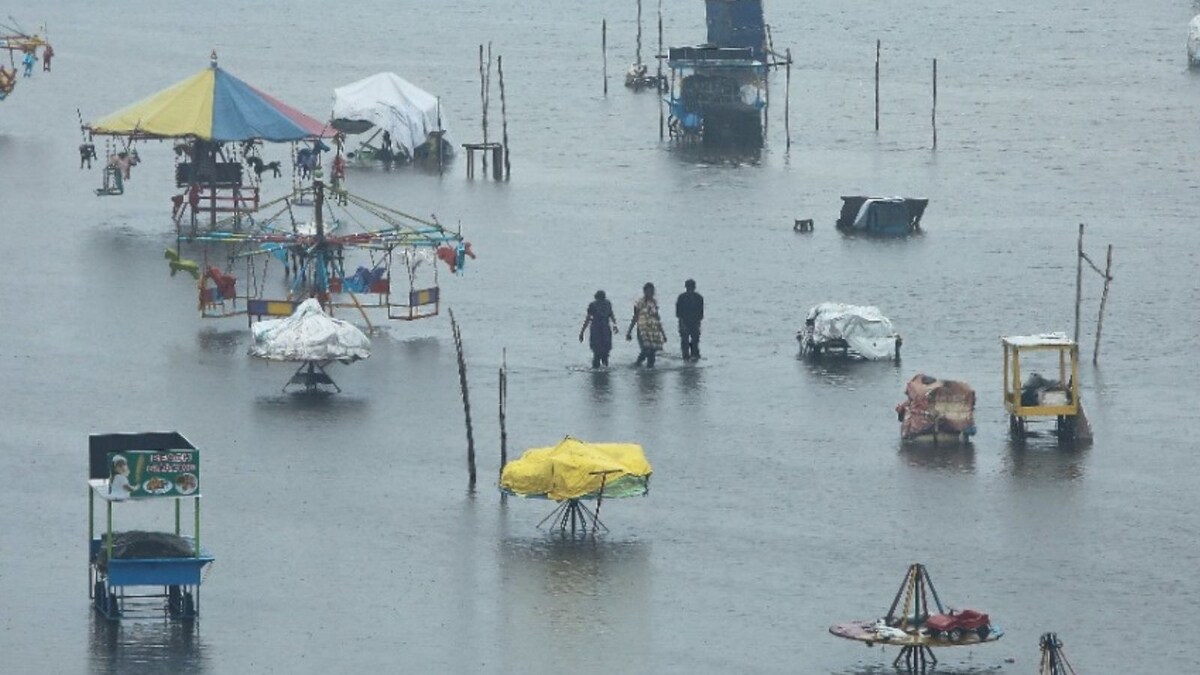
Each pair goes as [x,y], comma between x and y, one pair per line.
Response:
[1039,397]
[139,573]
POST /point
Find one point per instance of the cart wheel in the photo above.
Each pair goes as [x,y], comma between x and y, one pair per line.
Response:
[100,597]
[983,632]
[174,601]
[955,634]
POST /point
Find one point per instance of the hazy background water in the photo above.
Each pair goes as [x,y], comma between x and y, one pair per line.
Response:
[782,502]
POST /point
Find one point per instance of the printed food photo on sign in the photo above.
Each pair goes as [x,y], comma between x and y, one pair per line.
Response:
[185,483]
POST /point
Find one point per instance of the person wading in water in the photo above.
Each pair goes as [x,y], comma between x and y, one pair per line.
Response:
[689,309]
[600,317]
[651,337]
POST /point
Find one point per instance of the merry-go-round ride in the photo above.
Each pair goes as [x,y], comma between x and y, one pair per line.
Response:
[218,124]
[140,574]
[315,230]
[917,630]
[576,471]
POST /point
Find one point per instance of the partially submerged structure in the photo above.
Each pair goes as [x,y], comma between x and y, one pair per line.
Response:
[1193,43]
[718,90]
[1038,398]
[881,216]
[313,339]
[575,471]
[138,573]
[917,628]
[402,122]
[939,411]
[846,330]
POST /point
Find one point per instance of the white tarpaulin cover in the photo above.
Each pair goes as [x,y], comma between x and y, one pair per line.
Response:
[865,329]
[309,334]
[392,103]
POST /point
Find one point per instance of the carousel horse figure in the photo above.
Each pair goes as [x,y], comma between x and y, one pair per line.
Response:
[8,80]
[308,159]
[260,167]
[178,264]
[455,256]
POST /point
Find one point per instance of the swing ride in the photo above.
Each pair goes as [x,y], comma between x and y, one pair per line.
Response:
[574,471]
[16,41]
[915,629]
[317,231]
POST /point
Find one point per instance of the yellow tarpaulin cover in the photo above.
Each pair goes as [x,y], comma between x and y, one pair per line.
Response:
[568,470]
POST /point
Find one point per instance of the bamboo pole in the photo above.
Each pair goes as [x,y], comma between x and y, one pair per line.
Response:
[1103,302]
[462,382]
[503,413]
[933,114]
[604,51]
[659,84]
[503,115]
[877,45]
[638,54]
[766,112]
[787,100]
[1078,280]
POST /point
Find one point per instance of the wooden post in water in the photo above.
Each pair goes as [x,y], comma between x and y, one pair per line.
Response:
[766,113]
[604,51]
[659,84]
[877,44]
[933,115]
[1103,301]
[503,413]
[462,383]
[787,99]
[503,115]
[1078,280]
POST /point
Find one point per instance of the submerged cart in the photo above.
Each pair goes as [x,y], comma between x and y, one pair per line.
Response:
[1039,398]
[138,573]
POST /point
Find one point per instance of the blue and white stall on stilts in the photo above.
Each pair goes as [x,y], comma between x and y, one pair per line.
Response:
[143,573]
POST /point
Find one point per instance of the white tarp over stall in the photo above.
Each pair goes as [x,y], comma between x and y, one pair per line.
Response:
[391,103]
[864,328]
[309,334]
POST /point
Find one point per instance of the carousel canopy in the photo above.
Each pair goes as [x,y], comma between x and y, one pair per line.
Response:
[309,334]
[575,469]
[387,101]
[212,105]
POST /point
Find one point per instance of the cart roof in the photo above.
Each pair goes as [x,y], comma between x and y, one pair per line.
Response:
[99,445]
[1039,340]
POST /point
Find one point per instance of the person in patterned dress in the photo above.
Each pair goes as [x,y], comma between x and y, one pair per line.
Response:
[651,336]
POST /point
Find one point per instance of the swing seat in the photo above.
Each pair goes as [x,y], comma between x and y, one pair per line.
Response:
[423,303]
[257,309]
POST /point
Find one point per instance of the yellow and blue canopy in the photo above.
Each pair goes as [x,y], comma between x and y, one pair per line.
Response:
[212,105]
[575,469]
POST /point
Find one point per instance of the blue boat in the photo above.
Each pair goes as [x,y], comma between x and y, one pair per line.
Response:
[881,216]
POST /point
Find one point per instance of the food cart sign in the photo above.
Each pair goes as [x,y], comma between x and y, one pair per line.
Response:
[142,474]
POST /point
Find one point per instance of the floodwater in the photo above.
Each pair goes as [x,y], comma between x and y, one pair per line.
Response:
[346,537]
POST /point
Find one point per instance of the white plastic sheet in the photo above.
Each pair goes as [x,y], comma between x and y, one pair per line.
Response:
[309,334]
[864,328]
[393,104]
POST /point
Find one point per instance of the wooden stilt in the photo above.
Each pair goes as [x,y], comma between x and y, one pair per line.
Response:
[933,114]
[503,116]
[466,398]
[787,98]
[604,51]
[1078,280]
[877,47]
[1103,302]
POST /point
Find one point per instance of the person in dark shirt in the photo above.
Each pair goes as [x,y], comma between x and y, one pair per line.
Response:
[689,309]
[600,317]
